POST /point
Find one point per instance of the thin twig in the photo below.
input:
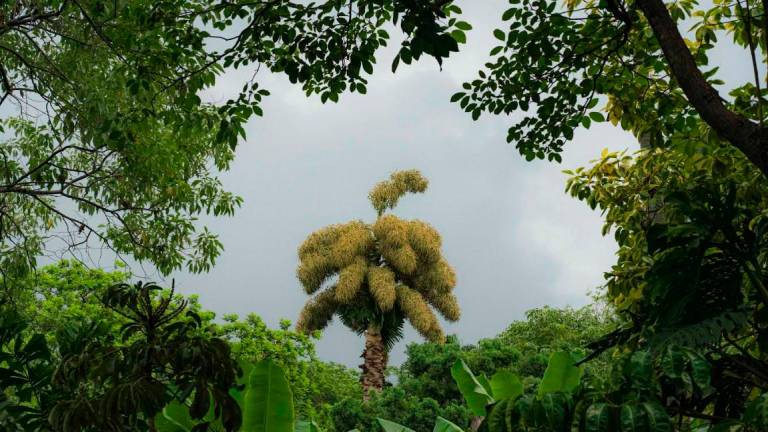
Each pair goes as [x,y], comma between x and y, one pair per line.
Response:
[747,15]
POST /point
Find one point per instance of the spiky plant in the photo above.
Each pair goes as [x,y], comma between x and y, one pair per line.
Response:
[376,276]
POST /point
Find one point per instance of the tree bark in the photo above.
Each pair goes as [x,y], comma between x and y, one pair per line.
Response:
[374,363]
[746,135]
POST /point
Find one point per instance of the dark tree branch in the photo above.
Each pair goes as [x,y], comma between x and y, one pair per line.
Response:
[29,19]
[740,131]
[619,12]
[5,80]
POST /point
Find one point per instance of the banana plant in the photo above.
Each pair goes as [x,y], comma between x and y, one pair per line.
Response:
[264,397]
[562,404]
[307,426]
[504,406]
[441,425]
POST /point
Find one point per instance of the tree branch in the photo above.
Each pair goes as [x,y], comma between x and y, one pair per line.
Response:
[746,14]
[29,19]
[738,130]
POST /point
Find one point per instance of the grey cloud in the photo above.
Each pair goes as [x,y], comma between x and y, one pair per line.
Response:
[515,239]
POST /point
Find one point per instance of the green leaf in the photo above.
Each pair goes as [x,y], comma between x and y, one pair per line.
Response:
[463,25]
[473,391]
[247,368]
[267,402]
[174,418]
[598,418]
[395,63]
[632,418]
[483,380]
[443,425]
[701,371]
[561,374]
[459,36]
[506,385]
[390,426]
[553,411]
[164,425]
[497,418]
[307,426]
[457,96]
[499,35]
[658,419]
[36,347]
[756,413]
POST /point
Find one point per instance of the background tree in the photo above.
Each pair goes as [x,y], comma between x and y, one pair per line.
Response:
[375,276]
[332,384]
[64,295]
[557,61]
[112,368]
[424,389]
[60,301]
[547,330]
[26,367]
[105,136]
[315,384]
[166,355]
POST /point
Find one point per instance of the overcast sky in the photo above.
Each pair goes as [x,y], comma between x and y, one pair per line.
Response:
[515,239]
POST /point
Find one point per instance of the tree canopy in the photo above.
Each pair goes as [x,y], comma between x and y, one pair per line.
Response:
[564,64]
[690,270]
[105,138]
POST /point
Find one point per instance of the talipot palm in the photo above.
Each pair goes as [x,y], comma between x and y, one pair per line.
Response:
[376,276]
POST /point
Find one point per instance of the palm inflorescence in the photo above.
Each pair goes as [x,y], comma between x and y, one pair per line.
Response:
[379,274]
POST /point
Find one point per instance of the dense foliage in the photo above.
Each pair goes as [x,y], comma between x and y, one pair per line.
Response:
[556,61]
[690,275]
[104,136]
[64,342]
[328,394]
[423,387]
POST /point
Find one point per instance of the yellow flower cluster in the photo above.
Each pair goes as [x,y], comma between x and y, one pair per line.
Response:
[395,262]
[351,280]
[318,312]
[445,303]
[438,276]
[392,235]
[329,250]
[416,309]
[381,282]
[386,194]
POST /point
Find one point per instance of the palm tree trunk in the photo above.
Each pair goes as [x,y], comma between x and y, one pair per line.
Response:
[374,363]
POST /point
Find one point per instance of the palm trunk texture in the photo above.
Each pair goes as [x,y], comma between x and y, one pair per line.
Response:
[374,363]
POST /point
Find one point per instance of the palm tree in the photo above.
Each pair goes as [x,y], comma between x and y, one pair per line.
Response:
[376,276]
